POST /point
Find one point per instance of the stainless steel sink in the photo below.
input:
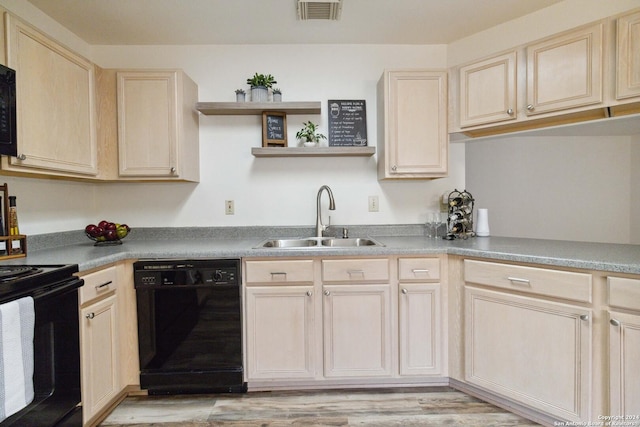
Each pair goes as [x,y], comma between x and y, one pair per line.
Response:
[317,242]
[288,243]
[349,243]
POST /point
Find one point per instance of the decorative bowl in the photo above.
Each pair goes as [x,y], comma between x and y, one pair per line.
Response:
[107,233]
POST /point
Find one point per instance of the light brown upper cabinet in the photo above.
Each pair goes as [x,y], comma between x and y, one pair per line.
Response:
[157,125]
[413,140]
[56,114]
[488,90]
[628,56]
[565,71]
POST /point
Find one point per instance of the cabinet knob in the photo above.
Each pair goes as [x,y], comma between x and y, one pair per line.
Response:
[510,111]
[394,168]
[309,293]
[404,291]
[173,170]
[530,107]
[327,293]
[21,156]
[90,316]
[584,317]
[614,322]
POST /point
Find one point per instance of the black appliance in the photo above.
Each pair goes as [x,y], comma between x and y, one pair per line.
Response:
[8,134]
[56,343]
[189,326]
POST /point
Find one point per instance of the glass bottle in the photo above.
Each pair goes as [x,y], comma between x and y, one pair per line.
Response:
[13,217]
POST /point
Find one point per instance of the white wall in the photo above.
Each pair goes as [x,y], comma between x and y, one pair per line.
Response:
[563,188]
[278,191]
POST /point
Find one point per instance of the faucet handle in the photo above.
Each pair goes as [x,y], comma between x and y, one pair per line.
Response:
[345,233]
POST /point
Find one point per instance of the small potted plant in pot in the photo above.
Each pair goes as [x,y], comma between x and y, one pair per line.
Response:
[240,95]
[260,84]
[277,95]
[309,135]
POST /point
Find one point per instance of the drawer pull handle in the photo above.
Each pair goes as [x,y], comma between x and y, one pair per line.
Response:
[309,293]
[614,322]
[404,291]
[355,272]
[105,284]
[420,270]
[279,273]
[90,316]
[518,281]
[584,317]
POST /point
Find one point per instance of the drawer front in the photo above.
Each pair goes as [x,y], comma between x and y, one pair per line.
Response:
[355,270]
[624,293]
[419,269]
[279,271]
[98,284]
[541,281]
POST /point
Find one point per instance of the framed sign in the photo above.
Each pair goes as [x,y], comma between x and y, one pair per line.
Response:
[274,129]
[347,123]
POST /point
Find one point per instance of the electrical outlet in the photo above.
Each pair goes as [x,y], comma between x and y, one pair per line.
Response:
[229,208]
[373,204]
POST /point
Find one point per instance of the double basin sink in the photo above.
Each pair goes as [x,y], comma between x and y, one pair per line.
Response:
[317,242]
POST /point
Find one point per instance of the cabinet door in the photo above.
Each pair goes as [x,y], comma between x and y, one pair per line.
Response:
[565,71]
[99,355]
[148,123]
[357,330]
[415,134]
[56,105]
[531,351]
[420,329]
[488,91]
[280,329]
[628,58]
[624,348]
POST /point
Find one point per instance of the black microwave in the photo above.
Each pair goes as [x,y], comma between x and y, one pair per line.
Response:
[8,134]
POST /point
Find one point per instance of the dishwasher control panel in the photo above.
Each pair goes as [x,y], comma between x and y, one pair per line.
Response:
[186,272]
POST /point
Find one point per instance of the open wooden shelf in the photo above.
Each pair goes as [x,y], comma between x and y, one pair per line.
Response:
[313,152]
[256,108]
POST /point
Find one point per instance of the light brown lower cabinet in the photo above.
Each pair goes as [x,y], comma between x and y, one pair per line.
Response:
[535,352]
[624,347]
[99,342]
[336,320]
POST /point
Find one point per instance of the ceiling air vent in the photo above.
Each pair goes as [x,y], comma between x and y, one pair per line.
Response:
[319,9]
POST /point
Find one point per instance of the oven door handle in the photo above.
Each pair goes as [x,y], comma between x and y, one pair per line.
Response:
[59,289]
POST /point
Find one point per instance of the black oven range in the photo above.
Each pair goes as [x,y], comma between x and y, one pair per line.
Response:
[55,383]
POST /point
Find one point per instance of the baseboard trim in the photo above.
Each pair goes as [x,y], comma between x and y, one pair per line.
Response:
[501,402]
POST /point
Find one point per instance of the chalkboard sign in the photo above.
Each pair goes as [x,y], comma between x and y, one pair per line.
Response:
[347,123]
[274,129]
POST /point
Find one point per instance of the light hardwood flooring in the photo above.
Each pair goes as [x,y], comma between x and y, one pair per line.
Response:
[434,406]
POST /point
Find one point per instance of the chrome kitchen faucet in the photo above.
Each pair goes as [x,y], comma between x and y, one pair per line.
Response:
[320,227]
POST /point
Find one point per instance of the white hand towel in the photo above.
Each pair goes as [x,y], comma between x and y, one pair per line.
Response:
[17,325]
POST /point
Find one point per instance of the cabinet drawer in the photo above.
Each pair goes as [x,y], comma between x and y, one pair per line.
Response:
[419,269]
[281,271]
[97,284]
[355,270]
[624,293]
[541,281]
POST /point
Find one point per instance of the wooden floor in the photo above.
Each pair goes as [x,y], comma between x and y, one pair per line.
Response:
[435,406]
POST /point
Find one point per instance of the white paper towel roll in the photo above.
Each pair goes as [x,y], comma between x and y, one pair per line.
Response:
[482,229]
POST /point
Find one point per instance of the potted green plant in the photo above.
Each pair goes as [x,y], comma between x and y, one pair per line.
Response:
[240,95]
[277,95]
[309,135]
[260,84]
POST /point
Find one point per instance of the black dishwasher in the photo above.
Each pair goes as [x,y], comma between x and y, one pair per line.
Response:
[189,326]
